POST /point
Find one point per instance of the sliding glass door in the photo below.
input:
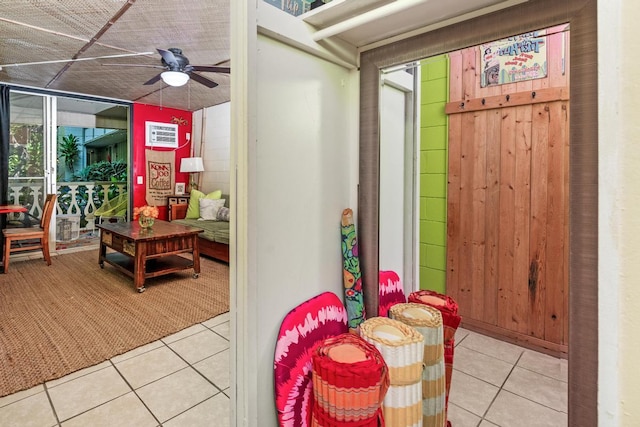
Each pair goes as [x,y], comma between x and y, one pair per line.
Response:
[30,153]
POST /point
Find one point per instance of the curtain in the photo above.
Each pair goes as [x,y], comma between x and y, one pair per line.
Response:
[5,120]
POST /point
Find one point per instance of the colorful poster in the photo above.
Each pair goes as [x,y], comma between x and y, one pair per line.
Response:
[514,59]
[352,277]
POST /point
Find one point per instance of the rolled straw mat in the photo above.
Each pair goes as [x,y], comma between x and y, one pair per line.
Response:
[350,380]
[403,350]
[428,321]
[450,320]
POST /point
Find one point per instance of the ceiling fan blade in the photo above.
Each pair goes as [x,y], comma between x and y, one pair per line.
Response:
[152,80]
[212,69]
[168,57]
[76,59]
[205,81]
[136,65]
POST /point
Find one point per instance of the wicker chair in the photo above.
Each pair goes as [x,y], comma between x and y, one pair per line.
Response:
[30,238]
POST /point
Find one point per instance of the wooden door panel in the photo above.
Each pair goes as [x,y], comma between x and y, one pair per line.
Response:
[538,241]
[507,201]
[492,220]
[507,218]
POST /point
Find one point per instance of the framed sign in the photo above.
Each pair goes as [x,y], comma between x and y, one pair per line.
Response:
[514,59]
[180,188]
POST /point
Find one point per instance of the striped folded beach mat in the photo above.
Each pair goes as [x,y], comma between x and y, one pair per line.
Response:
[428,321]
[402,348]
[350,381]
[450,319]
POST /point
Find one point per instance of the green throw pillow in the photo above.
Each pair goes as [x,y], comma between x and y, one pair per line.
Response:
[193,211]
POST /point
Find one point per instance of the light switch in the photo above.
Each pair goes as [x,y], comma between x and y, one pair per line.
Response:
[140,180]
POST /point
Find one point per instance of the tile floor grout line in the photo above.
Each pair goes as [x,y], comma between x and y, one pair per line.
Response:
[537,373]
[494,357]
[500,389]
[196,369]
[53,408]
[107,401]
[537,403]
[139,354]
[190,408]
[544,375]
[136,393]
[78,377]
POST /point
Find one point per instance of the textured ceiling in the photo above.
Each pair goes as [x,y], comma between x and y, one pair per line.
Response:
[35,31]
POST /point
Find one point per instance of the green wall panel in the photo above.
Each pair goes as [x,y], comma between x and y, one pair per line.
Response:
[433,173]
[432,115]
[435,209]
[435,185]
[433,138]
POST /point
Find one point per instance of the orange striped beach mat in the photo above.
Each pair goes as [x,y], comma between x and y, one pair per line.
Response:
[350,380]
[428,321]
[403,351]
[450,319]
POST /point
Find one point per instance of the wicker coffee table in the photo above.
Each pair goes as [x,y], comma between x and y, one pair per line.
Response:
[141,253]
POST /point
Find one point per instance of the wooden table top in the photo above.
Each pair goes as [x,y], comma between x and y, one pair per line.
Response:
[160,230]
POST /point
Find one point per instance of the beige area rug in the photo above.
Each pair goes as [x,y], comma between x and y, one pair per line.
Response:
[58,319]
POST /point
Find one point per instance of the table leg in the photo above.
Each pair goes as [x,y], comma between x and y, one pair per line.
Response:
[196,257]
[102,253]
[139,267]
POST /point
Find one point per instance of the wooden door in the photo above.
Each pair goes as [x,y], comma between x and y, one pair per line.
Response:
[508,200]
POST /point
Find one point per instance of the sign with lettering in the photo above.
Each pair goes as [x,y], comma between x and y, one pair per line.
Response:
[160,176]
[514,59]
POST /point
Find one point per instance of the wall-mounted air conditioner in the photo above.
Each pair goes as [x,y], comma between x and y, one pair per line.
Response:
[161,135]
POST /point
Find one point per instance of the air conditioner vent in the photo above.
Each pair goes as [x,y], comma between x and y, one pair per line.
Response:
[162,135]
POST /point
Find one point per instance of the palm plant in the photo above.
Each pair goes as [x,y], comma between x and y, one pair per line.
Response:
[69,151]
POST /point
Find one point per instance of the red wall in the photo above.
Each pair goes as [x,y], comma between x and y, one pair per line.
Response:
[143,113]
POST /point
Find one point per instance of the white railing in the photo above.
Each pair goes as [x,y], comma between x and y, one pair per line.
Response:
[74,198]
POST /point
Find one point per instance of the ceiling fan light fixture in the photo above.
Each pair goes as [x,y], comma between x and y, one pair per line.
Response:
[175,78]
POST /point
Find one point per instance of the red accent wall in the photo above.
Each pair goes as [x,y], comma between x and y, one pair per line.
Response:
[143,113]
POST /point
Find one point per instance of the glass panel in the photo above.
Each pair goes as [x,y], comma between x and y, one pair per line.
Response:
[27,156]
[397,176]
[92,143]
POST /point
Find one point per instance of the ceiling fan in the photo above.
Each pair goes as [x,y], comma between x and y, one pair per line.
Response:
[178,71]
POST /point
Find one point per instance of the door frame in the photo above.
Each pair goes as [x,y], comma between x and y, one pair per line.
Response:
[583,237]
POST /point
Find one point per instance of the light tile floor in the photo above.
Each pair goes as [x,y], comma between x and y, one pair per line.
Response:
[500,384]
[181,380]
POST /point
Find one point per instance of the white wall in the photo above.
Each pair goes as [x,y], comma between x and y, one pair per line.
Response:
[619,214]
[392,180]
[215,147]
[304,159]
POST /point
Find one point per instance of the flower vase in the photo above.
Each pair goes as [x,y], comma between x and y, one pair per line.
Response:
[146,222]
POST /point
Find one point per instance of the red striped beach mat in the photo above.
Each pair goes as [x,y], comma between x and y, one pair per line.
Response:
[350,380]
[450,319]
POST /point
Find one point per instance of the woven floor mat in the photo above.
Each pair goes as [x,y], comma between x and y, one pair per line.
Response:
[71,315]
